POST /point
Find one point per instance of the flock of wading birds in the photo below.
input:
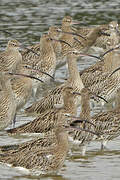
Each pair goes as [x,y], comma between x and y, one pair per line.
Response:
[21,73]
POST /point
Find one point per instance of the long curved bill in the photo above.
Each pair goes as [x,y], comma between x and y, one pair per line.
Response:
[77,120]
[114,71]
[75,22]
[31,50]
[101,56]
[110,50]
[93,95]
[74,34]
[62,41]
[38,70]
[25,75]
[81,54]
[104,33]
[87,130]
[90,55]
[71,128]
[100,97]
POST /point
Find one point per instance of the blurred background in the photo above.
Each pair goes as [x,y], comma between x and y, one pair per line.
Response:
[28,19]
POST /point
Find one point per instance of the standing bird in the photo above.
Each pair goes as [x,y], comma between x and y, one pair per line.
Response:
[81,137]
[92,74]
[102,40]
[8,104]
[55,96]
[67,23]
[97,78]
[8,100]
[22,86]
[105,124]
[49,119]
[103,36]
[28,57]
[46,62]
[108,125]
[55,33]
[85,41]
[11,57]
[84,44]
[39,156]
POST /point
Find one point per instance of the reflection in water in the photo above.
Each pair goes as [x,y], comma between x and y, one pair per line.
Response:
[26,21]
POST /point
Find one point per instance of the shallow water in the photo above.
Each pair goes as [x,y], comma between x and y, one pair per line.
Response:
[26,21]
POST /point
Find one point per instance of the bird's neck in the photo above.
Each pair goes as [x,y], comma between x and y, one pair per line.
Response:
[70,106]
[111,61]
[11,50]
[46,50]
[85,108]
[5,85]
[62,138]
[92,36]
[74,77]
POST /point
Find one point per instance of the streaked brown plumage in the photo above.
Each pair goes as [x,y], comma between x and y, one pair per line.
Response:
[105,124]
[39,156]
[11,57]
[67,23]
[102,40]
[52,117]
[108,125]
[55,96]
[55,33]
[7,101]
[46,61]
[90,38]
[22,86]
[97,77]
[85,42]
[80,137]
[31,58]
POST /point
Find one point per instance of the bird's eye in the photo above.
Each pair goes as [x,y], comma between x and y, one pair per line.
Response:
[111,26]
[68,20]
[14,44]
[74,52]
[49,39]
